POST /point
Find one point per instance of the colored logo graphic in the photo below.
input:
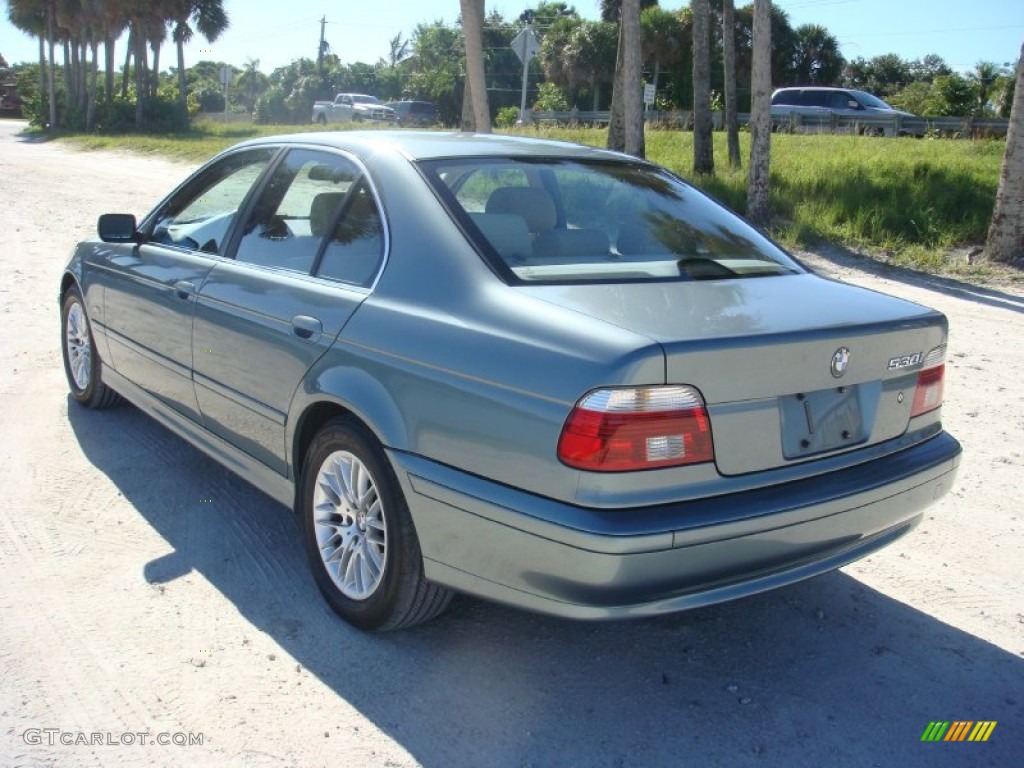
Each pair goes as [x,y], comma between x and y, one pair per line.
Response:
[958,730]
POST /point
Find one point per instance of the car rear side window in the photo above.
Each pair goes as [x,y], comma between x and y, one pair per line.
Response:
[355,239]
[560,220]
[814,98]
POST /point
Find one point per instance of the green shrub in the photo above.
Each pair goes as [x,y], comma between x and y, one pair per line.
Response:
[506,117]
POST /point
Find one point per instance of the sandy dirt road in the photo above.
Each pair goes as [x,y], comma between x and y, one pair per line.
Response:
[146,591]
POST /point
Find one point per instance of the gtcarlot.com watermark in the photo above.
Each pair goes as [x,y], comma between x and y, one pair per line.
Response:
[51,737]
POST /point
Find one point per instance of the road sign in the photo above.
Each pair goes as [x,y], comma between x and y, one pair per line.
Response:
[526,45]
[649,94]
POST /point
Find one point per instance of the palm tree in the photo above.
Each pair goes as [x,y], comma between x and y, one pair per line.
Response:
[703,149]
[113,21]
[816,56]
[732,130]
[1005,240]
[760,114]
[476,83]
[252,83]
[211,20]
[30,17]
[985,75]
[667,40]
[611,10]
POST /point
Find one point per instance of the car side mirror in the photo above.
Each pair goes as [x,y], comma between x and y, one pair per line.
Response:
[853,104]
[117,228]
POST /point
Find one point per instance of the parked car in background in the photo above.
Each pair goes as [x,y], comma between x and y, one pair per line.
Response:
[814,105]
[420,114]
[549,375]
[349,107]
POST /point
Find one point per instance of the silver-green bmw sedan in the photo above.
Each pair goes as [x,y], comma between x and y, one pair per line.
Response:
[548,375]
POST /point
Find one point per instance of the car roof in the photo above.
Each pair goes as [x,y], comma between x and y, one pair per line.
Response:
[426,145]
[813,88]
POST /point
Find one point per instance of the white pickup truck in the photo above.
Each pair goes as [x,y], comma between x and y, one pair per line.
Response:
[347,107]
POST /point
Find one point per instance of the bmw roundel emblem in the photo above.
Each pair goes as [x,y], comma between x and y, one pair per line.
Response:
[840,361]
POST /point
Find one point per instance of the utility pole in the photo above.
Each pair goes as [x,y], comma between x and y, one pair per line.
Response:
[320,50]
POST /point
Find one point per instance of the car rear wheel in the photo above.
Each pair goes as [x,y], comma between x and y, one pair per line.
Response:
[81,362]
[322,119]
[359,536]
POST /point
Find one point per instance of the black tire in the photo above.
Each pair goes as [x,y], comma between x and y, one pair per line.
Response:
[82,365]
[322,119]
[333,522]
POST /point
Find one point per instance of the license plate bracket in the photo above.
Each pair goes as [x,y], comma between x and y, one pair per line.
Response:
[821,421]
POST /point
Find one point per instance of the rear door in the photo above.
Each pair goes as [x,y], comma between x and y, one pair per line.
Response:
[150,289]
[306,257]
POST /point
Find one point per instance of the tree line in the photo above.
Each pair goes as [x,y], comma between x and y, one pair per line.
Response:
[71,95]
[575,67]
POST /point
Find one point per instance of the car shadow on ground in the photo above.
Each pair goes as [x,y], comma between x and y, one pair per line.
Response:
[828,672]
[950,286]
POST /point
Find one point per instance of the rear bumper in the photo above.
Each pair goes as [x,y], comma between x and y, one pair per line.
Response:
[506,545]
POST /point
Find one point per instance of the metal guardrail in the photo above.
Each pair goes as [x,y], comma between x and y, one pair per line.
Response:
[882,125]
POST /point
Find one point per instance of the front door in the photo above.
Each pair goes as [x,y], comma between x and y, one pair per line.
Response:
[305,260]
[150,288]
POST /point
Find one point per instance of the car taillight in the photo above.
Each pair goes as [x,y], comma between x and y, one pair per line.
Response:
[928,394]
[619,430]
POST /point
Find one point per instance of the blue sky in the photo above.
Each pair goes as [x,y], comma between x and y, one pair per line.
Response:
[963,32]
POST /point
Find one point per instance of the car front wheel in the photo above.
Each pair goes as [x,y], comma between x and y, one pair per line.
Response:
[359,536]
[81,362]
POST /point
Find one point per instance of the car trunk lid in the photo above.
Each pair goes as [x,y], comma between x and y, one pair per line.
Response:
[791,368]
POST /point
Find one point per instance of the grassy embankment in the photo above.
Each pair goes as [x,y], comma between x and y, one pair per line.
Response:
[907,201]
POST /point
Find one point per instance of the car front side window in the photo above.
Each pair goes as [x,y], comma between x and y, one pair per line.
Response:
[199,216]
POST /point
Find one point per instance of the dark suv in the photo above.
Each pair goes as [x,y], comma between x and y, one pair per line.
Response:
[421,113]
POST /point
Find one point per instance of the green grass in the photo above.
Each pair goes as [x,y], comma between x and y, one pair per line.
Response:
[912,200]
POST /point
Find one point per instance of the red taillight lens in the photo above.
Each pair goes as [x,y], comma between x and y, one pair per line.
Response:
[928,395]
[620,430]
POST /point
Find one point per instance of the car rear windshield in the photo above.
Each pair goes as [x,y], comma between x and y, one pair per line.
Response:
[567,220]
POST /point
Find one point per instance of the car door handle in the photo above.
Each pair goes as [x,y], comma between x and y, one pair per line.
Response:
[306,327]
[184,289]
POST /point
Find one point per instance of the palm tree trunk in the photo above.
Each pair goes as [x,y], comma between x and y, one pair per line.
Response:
[617,118]
[127,63]
[154,80]
[108,50]
[703,149]
[632,77]
[1005,240]
[50,80]
[140,78]
[473,29]
[468,120]
[90,110]
[182,85]
[84,74]
[732,130]
[42,69]
[69,81]
[760,114]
